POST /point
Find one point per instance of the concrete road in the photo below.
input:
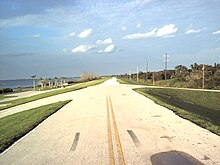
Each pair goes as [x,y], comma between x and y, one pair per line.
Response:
[37,103]
[111,124]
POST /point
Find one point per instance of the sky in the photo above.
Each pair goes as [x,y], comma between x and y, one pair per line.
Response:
[65,38]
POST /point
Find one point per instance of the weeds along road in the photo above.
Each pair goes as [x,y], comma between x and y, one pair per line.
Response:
[111,124]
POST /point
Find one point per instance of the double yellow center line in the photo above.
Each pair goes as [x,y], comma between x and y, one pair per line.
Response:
[119,148]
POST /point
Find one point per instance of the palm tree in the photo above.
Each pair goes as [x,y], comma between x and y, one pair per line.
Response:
[50,83]
[181,68]
[33,78]
[194,66]
[62,80]
[56,81]
[42,82]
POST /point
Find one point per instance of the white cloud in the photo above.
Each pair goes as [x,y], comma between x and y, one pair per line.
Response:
[36,36]
[141,35]
[109,48]
[165,31]
[216,32]
[72,34]
[123,28]
[69,15]
[104,42]
[190,31]
[138,25]
[82,48]
[85,33]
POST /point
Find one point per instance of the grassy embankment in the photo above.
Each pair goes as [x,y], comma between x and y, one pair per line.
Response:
[162,83]
[20,101]
[15,126]
[200,107]
[174,82]
[5,97]
[134,82]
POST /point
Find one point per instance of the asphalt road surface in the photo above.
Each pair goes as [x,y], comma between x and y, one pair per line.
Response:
[111,124]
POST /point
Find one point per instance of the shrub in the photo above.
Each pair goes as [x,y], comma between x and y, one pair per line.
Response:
[5,90]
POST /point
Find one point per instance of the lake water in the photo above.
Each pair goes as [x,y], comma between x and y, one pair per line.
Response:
[13,84]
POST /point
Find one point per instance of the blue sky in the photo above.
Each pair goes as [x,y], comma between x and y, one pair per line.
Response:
[65,38]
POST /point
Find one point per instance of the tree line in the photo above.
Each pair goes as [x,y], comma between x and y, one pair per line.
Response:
[197,76]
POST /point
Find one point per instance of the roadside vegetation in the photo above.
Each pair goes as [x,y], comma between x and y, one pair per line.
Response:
[133,82]
[15,126]
[84,77]
[181,77]
[200,107]
[5,90]
[5,97]
[12,103]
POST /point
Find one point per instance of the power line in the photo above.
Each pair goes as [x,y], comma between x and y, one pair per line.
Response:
[129,74]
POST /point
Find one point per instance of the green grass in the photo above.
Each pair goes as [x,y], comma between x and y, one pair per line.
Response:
[20,101]
[134,82]
[5,97]
[200,107]
[15,126]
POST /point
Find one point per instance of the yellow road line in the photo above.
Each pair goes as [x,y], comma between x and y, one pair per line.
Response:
[119,148]
[111,153]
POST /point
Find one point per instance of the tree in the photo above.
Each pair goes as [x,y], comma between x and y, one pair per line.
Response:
[50,82]
[181,72]
[194,66]
[85,76]
[56,83]
[42,82]
[181,68]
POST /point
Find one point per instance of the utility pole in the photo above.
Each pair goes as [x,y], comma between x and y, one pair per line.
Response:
[129,74]
[137,73]
[146,71]
[203,76]
[153,78]
[34,83]
[33,79]
[165,65]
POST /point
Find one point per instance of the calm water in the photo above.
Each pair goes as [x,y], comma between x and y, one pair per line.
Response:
[25,82]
